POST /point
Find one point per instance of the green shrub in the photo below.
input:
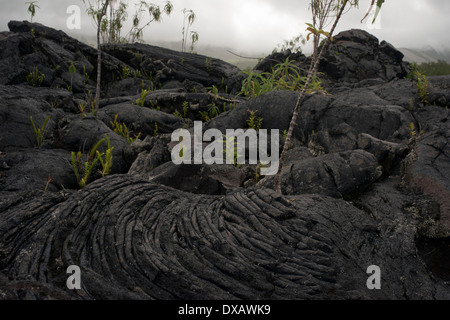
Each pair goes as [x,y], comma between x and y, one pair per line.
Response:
[439,68]
[421,80]
[284,76]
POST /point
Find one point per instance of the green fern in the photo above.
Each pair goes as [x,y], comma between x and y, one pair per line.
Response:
[39,132]
[83,168]
[108,162]
[253,122]
[141,101]
[122,130]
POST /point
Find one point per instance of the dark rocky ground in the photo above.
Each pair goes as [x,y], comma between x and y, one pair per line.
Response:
[360,186]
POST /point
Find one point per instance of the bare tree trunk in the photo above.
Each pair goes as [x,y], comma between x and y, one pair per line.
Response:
[101,14]
[311,74]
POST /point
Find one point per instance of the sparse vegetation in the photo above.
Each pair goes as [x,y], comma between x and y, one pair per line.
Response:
[421,80]
[284,76]
[294,45]
[155,13]
[39,133]
[122,130]
[35,78]
[213,111]
[32,10]
[141,100]
[231,150]
[439,68]
[185,109]
[86,75]
[177,114]
[188,21]
[126,73]
[253,122]
[72,71]
[84,166]
[208,64]
[88,106]
[204,116]
[422,87]
[324,13]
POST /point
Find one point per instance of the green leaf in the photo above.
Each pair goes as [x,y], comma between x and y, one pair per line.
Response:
[377,12]
[379,4]
[94,149]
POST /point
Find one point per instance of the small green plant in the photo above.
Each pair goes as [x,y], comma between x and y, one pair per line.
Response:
[122,130]
[422,87]
[49,180]
[204,116]
[155,15]
[414,71]
[294,45]
[177,114]
[141,100]
[284,76]
[106,163]
[39,132]
[231,150]
[257,176]
[208,64]
[188,21]
[153,107]
[412,129]
[72,71]
[88,107]
[156,130]
[253,122]
[421,80]
[214,111]
[32,9]
[126,73]
[213,90]
[228,106]
[138,74]
[185,109]
[86,75]
[83,167]
[35,78]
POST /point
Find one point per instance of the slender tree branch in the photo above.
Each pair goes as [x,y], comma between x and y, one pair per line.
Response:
[311,74]
[100,16]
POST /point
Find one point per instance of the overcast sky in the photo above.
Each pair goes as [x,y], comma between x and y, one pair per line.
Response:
[257,26]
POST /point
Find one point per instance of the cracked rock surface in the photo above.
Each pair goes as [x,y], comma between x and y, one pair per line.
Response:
[366,181]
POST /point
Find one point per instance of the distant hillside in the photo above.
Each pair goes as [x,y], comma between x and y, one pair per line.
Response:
[427,54]
[223,53]
[242,60]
